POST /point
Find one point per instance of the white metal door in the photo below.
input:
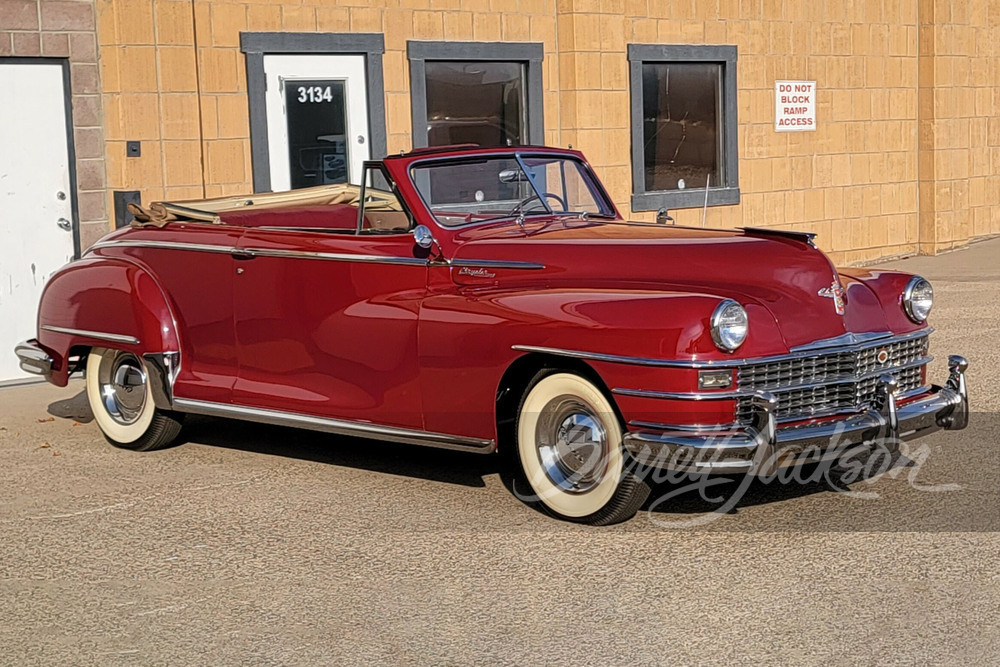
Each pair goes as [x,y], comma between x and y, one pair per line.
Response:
[36,203]
[317,119]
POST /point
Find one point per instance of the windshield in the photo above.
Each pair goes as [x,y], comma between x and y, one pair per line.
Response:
[468,190]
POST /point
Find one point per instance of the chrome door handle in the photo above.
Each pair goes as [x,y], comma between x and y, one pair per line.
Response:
[64,224]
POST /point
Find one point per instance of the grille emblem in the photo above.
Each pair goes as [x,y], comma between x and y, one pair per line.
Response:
[882,356]
[835,292]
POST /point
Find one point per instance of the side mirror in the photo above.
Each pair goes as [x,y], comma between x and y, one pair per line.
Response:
[512,176]
[423,237]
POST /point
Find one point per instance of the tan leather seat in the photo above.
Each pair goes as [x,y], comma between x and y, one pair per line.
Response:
[387,221]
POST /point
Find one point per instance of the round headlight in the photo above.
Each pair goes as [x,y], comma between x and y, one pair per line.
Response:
[918,298]
[729,325]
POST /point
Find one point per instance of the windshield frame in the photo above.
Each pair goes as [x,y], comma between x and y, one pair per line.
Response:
[594,185]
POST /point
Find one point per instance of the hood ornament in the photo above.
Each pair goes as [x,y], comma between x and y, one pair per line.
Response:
[835,292]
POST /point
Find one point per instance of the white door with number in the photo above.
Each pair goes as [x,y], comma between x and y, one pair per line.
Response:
[317,120]
[36,203]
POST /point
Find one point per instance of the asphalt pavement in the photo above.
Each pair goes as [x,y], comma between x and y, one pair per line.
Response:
[263,545]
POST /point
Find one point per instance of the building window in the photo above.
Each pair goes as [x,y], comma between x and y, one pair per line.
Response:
[684,127]
[480,93]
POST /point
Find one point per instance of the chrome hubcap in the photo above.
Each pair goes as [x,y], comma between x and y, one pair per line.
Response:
[572,444]
[122,379]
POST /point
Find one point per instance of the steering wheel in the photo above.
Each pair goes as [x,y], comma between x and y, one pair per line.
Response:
[524,202]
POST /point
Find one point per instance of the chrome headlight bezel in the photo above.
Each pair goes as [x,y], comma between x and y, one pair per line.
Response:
[916,312]
[725,332]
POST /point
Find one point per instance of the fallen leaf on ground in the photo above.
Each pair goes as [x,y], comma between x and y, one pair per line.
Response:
[46,419]
[56,454]
[76,423]
[44,445]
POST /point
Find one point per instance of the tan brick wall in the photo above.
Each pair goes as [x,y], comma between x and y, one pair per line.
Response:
[959,123]
[902,160]
[66,29]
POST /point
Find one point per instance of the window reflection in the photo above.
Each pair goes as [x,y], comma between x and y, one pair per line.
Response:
[479,102]
[682,135]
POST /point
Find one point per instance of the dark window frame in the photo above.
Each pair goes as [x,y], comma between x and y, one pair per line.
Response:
[528,53]
[258,44]
[728,193]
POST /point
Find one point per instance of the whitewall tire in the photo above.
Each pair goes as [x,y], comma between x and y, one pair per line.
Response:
[118,390]
[569,443]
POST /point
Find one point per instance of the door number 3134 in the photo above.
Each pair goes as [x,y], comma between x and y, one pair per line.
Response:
[315,94]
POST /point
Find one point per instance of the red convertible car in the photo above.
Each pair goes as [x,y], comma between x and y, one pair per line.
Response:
[494,299]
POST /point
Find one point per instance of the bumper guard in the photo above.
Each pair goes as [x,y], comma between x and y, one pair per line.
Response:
[33,358]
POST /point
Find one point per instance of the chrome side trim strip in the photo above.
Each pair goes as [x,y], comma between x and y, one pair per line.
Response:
[708,396]
[337,426]
[616,359]
[101,335]
[496,264]
[164,245]
[719,363]
[333,256]
[683,395]
[306,254]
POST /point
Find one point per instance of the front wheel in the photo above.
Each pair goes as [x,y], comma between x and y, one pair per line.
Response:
[570,448]
[120,398]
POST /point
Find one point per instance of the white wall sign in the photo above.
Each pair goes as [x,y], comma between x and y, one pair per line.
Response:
[794,106]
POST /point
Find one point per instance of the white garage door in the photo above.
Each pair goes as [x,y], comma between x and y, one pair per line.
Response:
[36,202]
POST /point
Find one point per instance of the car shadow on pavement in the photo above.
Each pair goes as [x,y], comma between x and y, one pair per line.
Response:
[692,495]
[427,463]
[374,455]
[76,408]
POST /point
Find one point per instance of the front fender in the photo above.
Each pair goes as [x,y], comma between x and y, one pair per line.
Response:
[887,287]
[467,342]
[103,302]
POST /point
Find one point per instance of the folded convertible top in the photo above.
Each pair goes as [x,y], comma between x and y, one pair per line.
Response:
[158,214]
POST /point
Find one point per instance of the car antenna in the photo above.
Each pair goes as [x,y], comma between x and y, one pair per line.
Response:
[704,210]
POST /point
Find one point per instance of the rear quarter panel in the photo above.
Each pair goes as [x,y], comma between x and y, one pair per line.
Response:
[108,295]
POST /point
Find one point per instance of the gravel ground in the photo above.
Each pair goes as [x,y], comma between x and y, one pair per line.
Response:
[262,545]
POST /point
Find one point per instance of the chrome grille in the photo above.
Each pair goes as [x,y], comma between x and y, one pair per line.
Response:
[838,381]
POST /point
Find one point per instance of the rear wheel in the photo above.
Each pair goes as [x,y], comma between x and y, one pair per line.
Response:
[119,396]
[570,448]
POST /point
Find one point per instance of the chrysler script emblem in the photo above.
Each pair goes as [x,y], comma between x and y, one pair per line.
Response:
[835,292]
[476,273]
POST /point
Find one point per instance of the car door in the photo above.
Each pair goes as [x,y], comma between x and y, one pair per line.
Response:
[326,320]
[193,263]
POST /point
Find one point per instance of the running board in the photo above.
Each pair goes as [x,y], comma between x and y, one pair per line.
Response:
[336,426]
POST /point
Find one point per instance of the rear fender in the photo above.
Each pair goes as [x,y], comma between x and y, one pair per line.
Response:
[109,302]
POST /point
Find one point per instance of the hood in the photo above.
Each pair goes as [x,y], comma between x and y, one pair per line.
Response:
[787,277]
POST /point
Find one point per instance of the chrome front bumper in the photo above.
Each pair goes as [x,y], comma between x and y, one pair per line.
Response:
[33,358]
[761,448]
